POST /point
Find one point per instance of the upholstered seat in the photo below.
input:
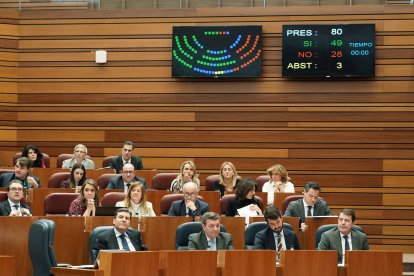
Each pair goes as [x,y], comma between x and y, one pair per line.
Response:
[260,181]
[110,199]
[184,230]
[59,203]
[103,180]
[162,181]
[255,227]
[56,179]
[106,162]
[323,228]
[46,158]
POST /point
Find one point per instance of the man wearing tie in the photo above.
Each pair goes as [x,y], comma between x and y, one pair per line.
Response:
[189,205]
[344,237]
[309,205]
[275,236]
[123,181]
[120,237]
[210,238]
[13,205]
[127,156]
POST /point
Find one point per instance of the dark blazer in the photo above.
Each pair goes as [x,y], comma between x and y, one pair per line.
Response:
[5,179]
[198,241]
[178,208]
[117,163]
[297,209]
[107,240]
[235,204]
[117,183]
[5,208]
[266,240]
[331,240]
[218,187]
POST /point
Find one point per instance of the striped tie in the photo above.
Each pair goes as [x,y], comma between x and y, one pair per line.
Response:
[279,245]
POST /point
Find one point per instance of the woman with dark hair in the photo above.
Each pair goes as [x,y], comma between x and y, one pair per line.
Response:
[245,191]
[77,177]
[85,205]
[34,155]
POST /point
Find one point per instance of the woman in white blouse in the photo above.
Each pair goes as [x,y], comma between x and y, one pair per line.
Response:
[136,201]
[279,182]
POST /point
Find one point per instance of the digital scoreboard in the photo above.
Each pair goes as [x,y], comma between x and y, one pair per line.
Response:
[343,50]
[217,51]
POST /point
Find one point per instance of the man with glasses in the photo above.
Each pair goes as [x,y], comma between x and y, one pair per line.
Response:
[79,153]
[13,206]
[210,238]
[124,181]
[127,156]
[21,172]
[189,205]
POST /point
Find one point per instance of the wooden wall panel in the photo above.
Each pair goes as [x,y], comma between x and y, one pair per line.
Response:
[353,136]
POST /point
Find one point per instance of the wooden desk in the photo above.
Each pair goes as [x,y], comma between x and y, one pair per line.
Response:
[8,266]
[373,263]
[64,271]
[246,262]
[14,240]
[213,199]
[188,263]
[129,263]
[236,227]
[309,262]
[313,224]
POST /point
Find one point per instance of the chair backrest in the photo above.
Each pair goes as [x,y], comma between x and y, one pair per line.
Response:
[41,235]
[103,179]
[56,179]
[62,157]
[46,158]
[260,181]
[184,230]
[323,228]
[224,202]
[111,198]
[92,240]
[3,196]
[210,181]
[162,181]
[107,161]
[6,171]
[166,201]
[288,200]
[58,203]
[255,227]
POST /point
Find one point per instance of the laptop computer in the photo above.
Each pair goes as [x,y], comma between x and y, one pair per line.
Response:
[105,211]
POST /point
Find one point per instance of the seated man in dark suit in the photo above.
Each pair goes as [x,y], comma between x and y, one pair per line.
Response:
[210,238]
[124,181]
[127,156]
[22,173]
[275,236]
[309,205]
[189,205]
[344,237]
[13,205]
[120,237]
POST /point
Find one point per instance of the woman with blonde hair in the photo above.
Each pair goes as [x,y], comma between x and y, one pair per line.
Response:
[228,179]
[188,173]
[279,182]
[136,201]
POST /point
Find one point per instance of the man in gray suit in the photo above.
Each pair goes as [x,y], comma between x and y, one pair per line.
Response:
[344,237]
[309,205]
[210,238]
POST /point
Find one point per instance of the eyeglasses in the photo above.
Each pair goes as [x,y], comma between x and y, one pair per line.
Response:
[189,194]
[14,189]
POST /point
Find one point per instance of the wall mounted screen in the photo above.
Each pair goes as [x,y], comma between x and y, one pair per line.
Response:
[345,50]
[217,51]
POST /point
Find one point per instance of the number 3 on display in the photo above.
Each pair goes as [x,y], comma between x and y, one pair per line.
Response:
[339,65]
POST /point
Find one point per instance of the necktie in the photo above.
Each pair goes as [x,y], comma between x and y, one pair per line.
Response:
[212,245]
[124,243]
[279,245]
[16,207]
[346,243]
[309,211]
